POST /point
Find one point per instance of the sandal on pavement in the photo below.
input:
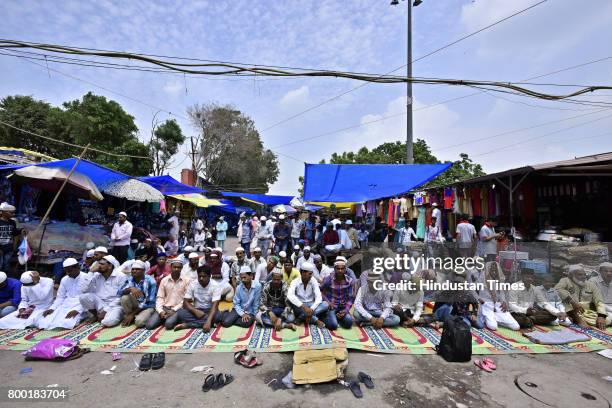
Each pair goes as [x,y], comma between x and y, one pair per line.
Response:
[366,379]
[356,389]
[145,362]
[159,359]
[219,381]
[238,355]
[489,362]
[209,382]
[482,366]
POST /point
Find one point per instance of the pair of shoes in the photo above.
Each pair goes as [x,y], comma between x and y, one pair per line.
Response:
[152,361]
[354,385]
[216,381]
[486,364]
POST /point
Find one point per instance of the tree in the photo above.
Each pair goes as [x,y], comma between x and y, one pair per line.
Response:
[229,150]
[165,141]
[395,153]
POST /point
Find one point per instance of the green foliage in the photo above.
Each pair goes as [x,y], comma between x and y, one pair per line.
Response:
[165,143]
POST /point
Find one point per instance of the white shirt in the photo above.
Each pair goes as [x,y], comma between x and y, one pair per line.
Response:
[203,297]
[323,273]
[174,221]
[261,272]
[189,272]
[39,295]
[412,300]
[199,238]
[438,214]
[488,247]
[120,236]
[406,235]
[256,263]
[70,288]
[465,234]
[298,294]
[106,289]
[199,225]
[344,239]
[302,260]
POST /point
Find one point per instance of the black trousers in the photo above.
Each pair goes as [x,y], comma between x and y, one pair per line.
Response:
[232,318]
[121,253]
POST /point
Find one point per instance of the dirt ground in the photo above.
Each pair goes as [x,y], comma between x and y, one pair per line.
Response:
[558,380]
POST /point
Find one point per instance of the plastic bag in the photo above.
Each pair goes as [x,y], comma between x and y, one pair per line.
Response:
[51,349]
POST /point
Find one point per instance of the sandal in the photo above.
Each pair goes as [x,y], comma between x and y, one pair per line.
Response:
[356,389]
[246,362]
[145,362]
[159,359]
[366,379]
[219,381]
[490,363]
[238,355]
[209,383]
[483,366]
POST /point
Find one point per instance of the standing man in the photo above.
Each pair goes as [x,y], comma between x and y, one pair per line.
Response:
[66,311]
[466,237]
[10,294]
[296,229]
[281,234]
[488,238]
[138,296]
[264,236]
[246,301]
[438,215]
[8,235]
[36,297]
[305,298]
[174,223]
[170,294]
[337,291]
[247,234]
[221,232]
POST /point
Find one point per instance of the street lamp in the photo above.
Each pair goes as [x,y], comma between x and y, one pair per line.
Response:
[409,151]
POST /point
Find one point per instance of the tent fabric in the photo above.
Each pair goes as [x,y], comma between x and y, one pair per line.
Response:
[133,190]
[198,200]
[260,198]
[363,182]
[229,208]
[51,179]
[338,205]
[169,186]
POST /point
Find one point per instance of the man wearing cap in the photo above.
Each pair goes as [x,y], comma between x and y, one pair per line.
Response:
[282,257]
[582,299]
[132,249]
[201,303]
[220,274]
[100,295]
[184,257]
[120,237]
[99,253]
[321,271]
[247,234]
[529,307]
[88,261]
[282,233]
[337,291]
[257,259]
[10,294]
[437,214]
[306,257]
[345,241]
[199,240]
[374,307]
[171,246]
[331,239]
[352,234]
[170,295]
[237,267]
[264,235]
[36,297]
[246,300]
[273,307]
[189,270]
[305,297]
[138,296]
[342,261]
[66,311]
[174,223]
[602,281]
[296,254]
[161,270]
[8,235]
[296,229]
[221,232]
[264,271]
[408,303]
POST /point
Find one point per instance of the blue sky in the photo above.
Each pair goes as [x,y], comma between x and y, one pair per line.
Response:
[356,35]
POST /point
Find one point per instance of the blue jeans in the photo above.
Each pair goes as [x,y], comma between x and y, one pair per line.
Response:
[278,311]
[280,246]
[264,245]
[331,320]
[247,248]
[320,310]
[444,311]
[390,321]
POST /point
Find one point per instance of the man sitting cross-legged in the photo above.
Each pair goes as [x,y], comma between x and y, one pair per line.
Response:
[337,291]
[305,297]
[138,296]
[170,295]
[201,303]
[529,307]
[246,300]
[273,308]
[36,297]
[373,307]
[408,302]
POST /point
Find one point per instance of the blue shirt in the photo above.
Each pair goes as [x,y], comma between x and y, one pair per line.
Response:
[147,286]
[247,231]
[12,292]
[247,301]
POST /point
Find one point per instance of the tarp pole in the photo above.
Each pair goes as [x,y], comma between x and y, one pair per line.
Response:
[44,218]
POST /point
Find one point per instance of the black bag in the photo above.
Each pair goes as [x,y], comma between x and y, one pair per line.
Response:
[456,341]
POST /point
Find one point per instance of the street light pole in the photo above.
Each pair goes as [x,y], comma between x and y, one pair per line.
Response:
[409,151]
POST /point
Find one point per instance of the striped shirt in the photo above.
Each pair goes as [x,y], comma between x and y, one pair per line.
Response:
[338,294]
[147,286]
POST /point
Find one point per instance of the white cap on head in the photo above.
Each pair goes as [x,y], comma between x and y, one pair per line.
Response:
[339,262]
[138,265]
[349,222]
[222,217]
[193,255]
[257,249]
[90,253]
[239,249]
[2,277]
[307,248]
[26,278]
[6,207]
[605,265]
[296,247]
[101,249]
[90,245]
[255,218]
[281,217]
[245,268]
[188,248]
[123,213]
[263,218]
[307,266]
[574,268]
[177,261]
[134,241]
[214,255]
[435,204]
[282,254]
[69,262]
[341,258]
[218,249]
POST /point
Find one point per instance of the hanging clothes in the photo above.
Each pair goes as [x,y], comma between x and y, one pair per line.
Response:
[484,199]
[476,202]
[428,213]
[401,223]
[380,210]
[390,212]
[420,232]
[448,198]
[492,208]
[456,203]
[403,205]
[371,207]
[414,212]
[452,223]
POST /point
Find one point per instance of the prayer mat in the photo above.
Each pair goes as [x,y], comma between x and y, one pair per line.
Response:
[418,340]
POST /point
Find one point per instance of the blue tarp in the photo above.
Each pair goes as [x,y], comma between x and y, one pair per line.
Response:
[363,182]
[169,186]
[230,208]
[260,198]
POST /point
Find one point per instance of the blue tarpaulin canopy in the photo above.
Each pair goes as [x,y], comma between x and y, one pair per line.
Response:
[230,208]
[364,182]
[260,198]
[169,186]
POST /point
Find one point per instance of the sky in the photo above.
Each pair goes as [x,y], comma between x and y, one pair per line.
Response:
[357,35]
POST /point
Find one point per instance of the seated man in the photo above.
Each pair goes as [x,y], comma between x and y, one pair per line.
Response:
[246,300]
[493,304]
[407,303]
[305,298]
[529,307]
[10,294]
[582,300]
[100,295]
[201,303]
[373,307]
[220,274]
[138,296]
[257,260]
[66,311]
[460,303]
[161,269]
[236,267]
[190,269]
[603,281]
[184,257]
[36,297]
[262,273]
[321,270]
[99,253]
[548,292]
[296,254]
[337,291]
[273,308]
[331,239]
[289,272]
[88,261]
[170,295]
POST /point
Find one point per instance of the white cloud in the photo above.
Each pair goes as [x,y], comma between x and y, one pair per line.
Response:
[296,97]
[174,88]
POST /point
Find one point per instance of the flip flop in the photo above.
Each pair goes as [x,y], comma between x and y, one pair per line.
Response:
[356,389]
[227,378]
[245,362]
[238,355]
[490,363]
[209,383]
[366,379]
[482,366]
[219,381]
[159,359]
[145,362]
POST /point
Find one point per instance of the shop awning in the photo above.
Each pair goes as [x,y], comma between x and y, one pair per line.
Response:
[169,186]
[133,190]
[363,182]
[328,205]
[259,198]
[229,208]
[198,200]
[51,179]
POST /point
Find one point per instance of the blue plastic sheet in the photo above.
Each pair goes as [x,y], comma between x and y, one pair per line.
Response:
[260,198]
[169,186]
[364,182]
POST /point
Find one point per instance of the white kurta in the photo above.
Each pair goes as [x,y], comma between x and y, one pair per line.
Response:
[39,295]
[66,300]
